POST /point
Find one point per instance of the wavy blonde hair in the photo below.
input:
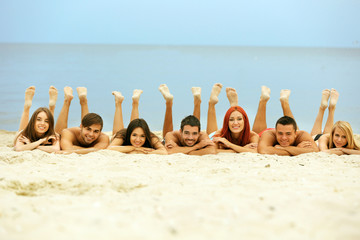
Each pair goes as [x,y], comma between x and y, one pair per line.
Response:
[346,128]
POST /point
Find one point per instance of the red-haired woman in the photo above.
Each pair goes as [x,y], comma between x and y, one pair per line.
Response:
[235,135]
[38,133]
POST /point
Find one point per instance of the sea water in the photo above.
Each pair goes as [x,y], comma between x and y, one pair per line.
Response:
[105,68]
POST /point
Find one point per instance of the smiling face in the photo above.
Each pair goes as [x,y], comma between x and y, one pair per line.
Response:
[236,122]
[41,123]
[91,133]
[339,138]
[190,135]
[285,135]
[137,137]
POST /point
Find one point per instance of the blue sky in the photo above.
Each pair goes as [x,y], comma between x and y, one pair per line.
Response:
[307,23]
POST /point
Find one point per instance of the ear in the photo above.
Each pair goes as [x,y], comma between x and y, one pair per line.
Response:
[80,125]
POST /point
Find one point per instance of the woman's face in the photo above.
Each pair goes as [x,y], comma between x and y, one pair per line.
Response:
[236,122]
[137,137]
[41,123]
[339,138]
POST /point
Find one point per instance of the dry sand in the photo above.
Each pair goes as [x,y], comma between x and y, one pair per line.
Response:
[110,195]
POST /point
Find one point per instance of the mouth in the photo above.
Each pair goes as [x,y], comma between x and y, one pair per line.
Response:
[41,128]
[89,139]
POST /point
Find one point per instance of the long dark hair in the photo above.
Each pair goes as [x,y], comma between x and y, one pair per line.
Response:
[29,131]
[125,133]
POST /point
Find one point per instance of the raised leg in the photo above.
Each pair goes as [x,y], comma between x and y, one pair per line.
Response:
[118,123]
[196,91]
[82,93]
[284,99]
[29,94]
[135,104]
[62,120]
[260,118]
[319,118]
[168,122]
[232,96]
[53,94]
[334,96]
[211,117]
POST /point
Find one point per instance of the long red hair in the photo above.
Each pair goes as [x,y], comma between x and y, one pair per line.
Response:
[244,137]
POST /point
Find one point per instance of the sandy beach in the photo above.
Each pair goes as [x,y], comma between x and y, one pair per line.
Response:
[110,195]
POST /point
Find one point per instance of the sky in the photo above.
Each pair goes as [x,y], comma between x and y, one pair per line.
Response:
[294,23]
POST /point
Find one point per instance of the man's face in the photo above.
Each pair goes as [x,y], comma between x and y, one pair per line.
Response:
[91,133]
[285,135]
[190,135]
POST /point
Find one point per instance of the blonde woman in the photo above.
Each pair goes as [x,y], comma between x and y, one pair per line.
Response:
[340,140]
[336,138]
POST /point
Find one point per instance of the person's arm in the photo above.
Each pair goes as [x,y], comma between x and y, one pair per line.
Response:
[204,147]
[159,147]
[266,145]
[305,144]
[102,142]
[67,146]
[236,148]
[350,151]
[54,147]
[324,143]
[22,143]
[171,145]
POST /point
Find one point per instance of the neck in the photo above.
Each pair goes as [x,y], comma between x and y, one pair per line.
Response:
[235,135]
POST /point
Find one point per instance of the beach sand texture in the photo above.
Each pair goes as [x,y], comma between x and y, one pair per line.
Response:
[110,195]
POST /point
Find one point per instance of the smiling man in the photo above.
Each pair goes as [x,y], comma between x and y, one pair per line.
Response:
[86,138]
[189,139]
[286,140]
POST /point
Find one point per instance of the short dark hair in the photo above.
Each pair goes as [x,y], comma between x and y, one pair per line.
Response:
[190,120]
[90,119]
[286,120]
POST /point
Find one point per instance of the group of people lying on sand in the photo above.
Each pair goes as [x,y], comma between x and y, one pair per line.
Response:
[235,135]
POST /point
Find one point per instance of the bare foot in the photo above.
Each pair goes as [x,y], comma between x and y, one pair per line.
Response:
[265,93]
[215,93]
[334,96]
[53,94]
[136,95]
[68,93]
[166,93]
[196,91]
[118,97]
[232,96]
[82,92]
[285,94]
[29,94]
[325,98]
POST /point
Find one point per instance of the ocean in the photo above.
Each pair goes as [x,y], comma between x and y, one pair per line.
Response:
[105,68]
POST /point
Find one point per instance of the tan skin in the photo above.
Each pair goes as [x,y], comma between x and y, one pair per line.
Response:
[137,140]
[189,141]
[340,141]
[41,126]
[83,140]
[286,141]
[236,126]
